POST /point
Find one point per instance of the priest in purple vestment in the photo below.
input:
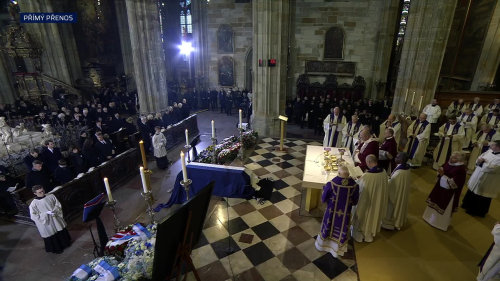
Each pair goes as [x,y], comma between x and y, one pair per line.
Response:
[367,146]
[340,194]
[388,151]
[443,199]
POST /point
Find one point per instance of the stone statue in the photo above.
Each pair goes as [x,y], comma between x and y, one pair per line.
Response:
[5,131]
[19,130]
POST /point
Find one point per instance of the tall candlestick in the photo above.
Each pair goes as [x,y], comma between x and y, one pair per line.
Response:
[240,118]
[187,138]
[420,103]
[412,98]
[406,96]
[108,189]
[143,154]
[213,129]
[143,179]
[184,170]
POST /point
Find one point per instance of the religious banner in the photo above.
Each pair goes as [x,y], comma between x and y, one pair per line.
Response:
[339,68]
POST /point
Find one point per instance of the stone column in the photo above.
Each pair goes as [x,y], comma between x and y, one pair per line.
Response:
[270,41]
[8,94]
[425,42]
[57,52]
[125,44]
[389,14]
[200,42]
[490,54]
[147,55]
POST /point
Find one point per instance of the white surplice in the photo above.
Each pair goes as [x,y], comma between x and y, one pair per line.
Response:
[332,126]
[433,112]
[470,128]
[477,147]
[486,177]
[47,215]
[490,270]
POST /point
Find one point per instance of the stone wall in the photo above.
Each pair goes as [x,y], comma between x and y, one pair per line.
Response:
[361,21]
[239,17]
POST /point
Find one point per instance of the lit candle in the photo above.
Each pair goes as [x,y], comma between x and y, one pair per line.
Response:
[412,98]
[406,96]
[143,179]
[187,138]
[213,129]
[184,170]
[420,103]
[240,119]
[108,189]
[143,154]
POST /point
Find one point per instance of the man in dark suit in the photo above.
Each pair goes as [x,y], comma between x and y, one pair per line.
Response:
[116,123]
[32,156]
[104,148]
[50,156]
[62,173]
[37,176]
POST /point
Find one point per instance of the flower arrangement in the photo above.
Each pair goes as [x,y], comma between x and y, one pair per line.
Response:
[227,149]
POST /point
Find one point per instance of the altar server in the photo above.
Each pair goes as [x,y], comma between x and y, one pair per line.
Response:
[469,121]
[46,212]
[366,146]
[387,151]
[433,111]
[444,197]
[450,136]
[351,133]
[372,205]
[340,194]
[483,183]
[333,125]
[418,134]
[399,190]
[159,150]
[392,123]
[481,144]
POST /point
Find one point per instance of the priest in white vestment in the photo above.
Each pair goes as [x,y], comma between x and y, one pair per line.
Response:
[418,134]
[456,108]
[444,197]
[489,267]
[372,204]
[480,144]
[492,118]
[399,191]
[469,121]
[391,122]
[351,133]
[333,125]
[433,111]
[46,212]
[494,105]
[476,108]
[484,182]
[450,136]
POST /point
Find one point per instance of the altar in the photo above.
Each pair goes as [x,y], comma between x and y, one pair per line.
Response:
[315,176]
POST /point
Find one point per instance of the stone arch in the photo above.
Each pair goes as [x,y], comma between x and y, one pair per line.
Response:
[225,42]
[334,43]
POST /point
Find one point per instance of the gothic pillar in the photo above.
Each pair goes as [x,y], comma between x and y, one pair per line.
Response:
[147,55]
[490,54]
[126,48]
[8,95]
[58,57]
[270,41]
[384,46]
[200,42]
[429,24]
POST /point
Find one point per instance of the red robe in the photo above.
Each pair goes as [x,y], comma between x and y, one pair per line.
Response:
[371,147]
[440,197]
[390,146]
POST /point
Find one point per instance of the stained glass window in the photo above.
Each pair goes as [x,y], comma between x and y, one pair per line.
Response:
[186,21]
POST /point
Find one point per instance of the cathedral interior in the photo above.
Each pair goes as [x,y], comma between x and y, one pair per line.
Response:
[255,60]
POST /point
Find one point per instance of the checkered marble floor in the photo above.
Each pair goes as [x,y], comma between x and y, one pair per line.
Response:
[245,240]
